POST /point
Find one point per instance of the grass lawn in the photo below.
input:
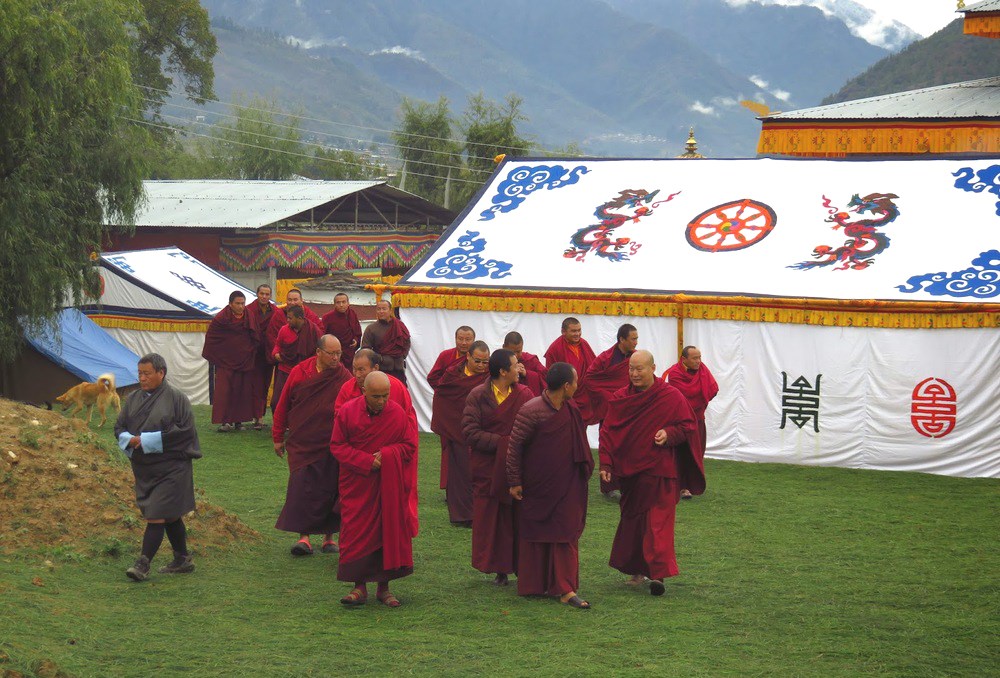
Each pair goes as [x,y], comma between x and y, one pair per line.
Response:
[785,570]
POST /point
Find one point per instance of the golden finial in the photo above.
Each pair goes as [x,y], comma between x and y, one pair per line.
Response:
[961,4]
[691,147]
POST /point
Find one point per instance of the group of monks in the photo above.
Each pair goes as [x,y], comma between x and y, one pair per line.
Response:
[515,458]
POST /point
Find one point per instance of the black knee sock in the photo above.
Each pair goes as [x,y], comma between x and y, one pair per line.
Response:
[177,536]
[152,539]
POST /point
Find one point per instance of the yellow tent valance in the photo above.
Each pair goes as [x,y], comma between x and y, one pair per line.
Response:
[983,24]
[123,322]
[829,312]
[840,139]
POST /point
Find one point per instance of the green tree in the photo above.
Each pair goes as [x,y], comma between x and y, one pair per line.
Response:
[338,164]
[490,131]
[70,159]
[428,152]
[259,142]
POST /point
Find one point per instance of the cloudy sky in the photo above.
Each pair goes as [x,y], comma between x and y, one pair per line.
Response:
[923,16]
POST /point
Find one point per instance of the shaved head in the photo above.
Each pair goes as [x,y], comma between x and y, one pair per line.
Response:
[641,370]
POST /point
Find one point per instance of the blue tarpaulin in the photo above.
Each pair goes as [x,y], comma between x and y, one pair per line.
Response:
[86,350]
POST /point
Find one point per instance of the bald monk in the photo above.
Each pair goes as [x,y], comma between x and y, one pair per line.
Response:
[548,465]
[649,439]
[390,338]
[232,344]
[607,374]
[571,348]
[342,322]
[367,361]
[692,377]
[487,421]
[448,358]
[295,342]
[263,310]
[531,372]
[449,402]
[375,443]
[303,423]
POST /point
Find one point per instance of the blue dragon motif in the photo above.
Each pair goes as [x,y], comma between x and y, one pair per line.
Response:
[972,181]
[982,281]
[525,180]
[464,262]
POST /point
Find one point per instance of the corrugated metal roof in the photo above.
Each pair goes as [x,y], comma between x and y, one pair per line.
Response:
[971,99]
[984,6]
[236,204]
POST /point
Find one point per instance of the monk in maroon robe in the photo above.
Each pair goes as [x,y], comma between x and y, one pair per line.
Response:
[390,338]
[303,424]
[487,421]
[446,420]
[263,311]
[607,374]
[570,348]
[295,342]
[292,298]
[531,372]
[548,465]
[692,377]
[649,440]
[366,361]
[375,443]
[232,345]
[448,358]
[342,322]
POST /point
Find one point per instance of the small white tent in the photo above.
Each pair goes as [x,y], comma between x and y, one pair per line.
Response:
[161,301]
[848,309]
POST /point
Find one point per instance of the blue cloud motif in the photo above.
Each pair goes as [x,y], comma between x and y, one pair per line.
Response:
[982,281]
[987,180]
[464,261]
[525,180]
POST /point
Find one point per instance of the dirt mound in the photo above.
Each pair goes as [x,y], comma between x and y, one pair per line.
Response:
[69,490]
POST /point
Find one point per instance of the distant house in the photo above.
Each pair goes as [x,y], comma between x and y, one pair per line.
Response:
[259,231]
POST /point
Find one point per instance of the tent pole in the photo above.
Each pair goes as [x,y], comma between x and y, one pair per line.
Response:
[680,329]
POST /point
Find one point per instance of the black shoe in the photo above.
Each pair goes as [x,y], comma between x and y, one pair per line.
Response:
[181,564]
[330,547]
[656,587]
[614,495]
[139,571]
[302,548]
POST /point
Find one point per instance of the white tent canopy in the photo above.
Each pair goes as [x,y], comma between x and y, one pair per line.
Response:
[160,301]
[848,309]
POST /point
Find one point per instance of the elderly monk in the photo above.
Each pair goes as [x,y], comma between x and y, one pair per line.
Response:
[365,362]
[531,372]
[156,431]
[303,423]
[232,345]
[390,338]
[571,348]
[649,439]
[342,322]
[446,420]
[263,310]
[375,442]
[292,298]
[607,374]
[692,377]
[295,342]
[548,465]
[448,358]
[487,420]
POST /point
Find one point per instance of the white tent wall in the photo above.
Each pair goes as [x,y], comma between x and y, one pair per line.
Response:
[433,330]
[866,395]
[186,369]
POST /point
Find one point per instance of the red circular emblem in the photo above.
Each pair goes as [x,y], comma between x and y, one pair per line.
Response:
[731,226]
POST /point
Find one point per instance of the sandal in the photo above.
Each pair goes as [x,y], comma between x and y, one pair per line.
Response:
[258,426]
[225,428]
[388,599]
[577,602]
[355,598]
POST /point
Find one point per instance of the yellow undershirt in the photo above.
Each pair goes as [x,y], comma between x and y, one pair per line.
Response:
[500,396]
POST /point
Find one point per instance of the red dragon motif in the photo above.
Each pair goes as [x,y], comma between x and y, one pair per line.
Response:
[863,242]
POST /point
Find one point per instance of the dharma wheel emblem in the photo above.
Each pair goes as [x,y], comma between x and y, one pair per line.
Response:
[731,226]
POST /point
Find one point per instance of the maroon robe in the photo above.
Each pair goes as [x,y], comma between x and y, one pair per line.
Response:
[447,359]
[377,528]
[533,364]
[607,374]
[487,426]
[699,388]
[279,320]
[533,381]
[446,420]
[306,409]
[232,346]
[559,351]
[293,354]
[389,340]
[650,475]
[347,328]
[265,366]
[550,458]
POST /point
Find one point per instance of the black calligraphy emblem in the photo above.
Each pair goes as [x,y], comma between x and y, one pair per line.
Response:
[190,281]
[800,401]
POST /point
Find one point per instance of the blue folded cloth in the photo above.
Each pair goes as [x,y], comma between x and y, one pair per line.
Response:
[123,441]
[152,442]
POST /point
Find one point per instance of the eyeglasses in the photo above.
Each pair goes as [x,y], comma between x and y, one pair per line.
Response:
[481,362]
[336,353]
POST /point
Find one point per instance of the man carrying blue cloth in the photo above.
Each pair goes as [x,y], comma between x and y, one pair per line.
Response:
[156,432]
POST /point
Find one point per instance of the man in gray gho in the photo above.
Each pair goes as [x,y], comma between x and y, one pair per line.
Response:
[155,430]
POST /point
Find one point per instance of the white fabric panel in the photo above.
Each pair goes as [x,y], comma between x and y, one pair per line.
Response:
[866,394]
[122,293]
[186,369]
[433,330]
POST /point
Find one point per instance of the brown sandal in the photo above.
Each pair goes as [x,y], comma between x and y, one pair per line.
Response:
[354,598]
[388,599]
